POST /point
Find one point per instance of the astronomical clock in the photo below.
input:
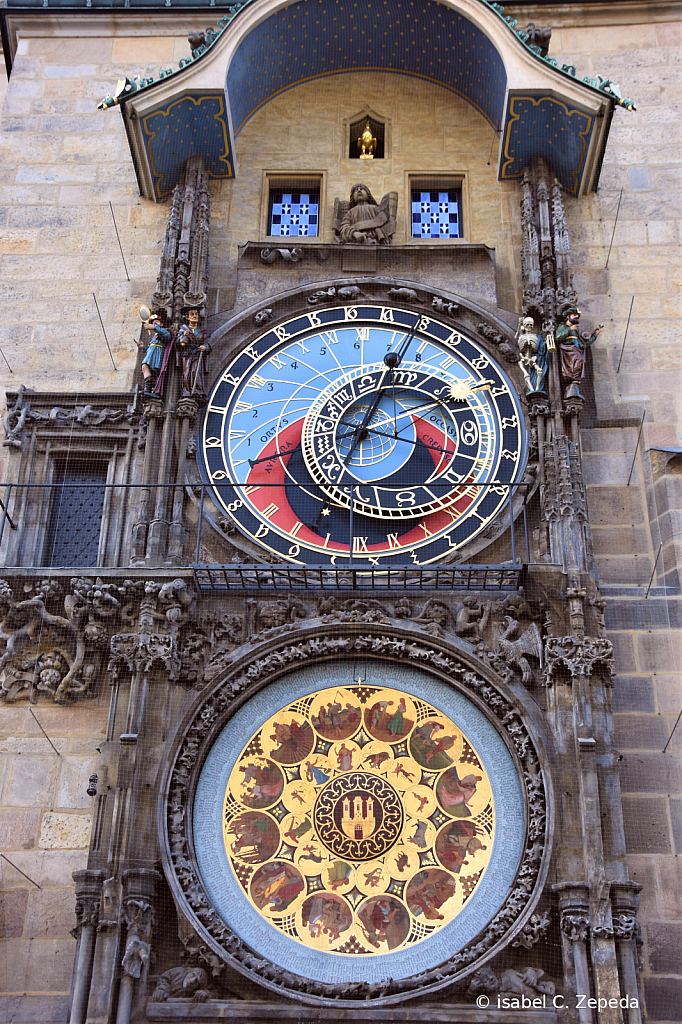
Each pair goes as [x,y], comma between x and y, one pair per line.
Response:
[358,808]
[367,432]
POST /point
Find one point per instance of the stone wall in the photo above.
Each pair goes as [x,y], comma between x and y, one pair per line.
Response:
[45,822]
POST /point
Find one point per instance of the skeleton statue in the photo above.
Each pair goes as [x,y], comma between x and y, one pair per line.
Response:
[534,356]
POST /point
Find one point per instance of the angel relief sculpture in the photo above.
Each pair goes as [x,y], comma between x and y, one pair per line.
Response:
[362,220]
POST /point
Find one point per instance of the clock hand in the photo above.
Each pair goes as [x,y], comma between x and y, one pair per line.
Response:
[392,360]
[431,447]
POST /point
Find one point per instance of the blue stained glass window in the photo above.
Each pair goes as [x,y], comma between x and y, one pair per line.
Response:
[436,214]
[293,214]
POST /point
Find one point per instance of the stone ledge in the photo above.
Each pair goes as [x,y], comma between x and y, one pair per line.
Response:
[243,1012]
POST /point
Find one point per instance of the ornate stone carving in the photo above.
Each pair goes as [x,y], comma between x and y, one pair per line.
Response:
[87,416]
[575,926]
[292,255]
[507,349]
[532,932]
[399,648]
[513,984]
[443,306]
[625,925]
[361,220]
[188,983]
[263,316]
[578,654]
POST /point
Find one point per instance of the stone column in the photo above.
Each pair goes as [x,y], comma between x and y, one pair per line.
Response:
[186,413]
[624,906]
[88,900]
[138,917]
[574,917]
[153,409]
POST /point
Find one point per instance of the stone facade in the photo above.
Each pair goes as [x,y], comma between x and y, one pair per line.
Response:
[63,164]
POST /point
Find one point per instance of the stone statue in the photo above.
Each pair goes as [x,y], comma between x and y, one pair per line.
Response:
[367,144]
[154,350]
[364,221]
[192,356]
[186,983]
[534,356]
[572,346]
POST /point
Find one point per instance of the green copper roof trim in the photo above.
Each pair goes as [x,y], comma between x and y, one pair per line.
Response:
[605,86]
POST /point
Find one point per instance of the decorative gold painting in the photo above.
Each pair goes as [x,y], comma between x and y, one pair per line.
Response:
[358,820]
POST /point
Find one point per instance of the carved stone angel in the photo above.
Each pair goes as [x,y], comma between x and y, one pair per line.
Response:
[362,220]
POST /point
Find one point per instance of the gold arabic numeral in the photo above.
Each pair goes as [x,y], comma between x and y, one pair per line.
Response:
[314,319]
[219,474]
[386,315]
[243,406]
[481,362]
[234,505]
[360,545]
[251,353]
[262,531]
[509,421]
[213,442]
[256,381]
[424,324]
[294,550]
[506,454]
[282,333]
[229,378]
[278,362]
[350,312]
[270,510]
[494,392]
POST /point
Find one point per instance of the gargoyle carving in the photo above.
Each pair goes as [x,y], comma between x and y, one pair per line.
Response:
[516,652]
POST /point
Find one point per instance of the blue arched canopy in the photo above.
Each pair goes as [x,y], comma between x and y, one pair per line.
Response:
[314,38]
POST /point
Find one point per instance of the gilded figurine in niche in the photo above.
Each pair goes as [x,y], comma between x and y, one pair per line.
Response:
[362,220]
[573,347]
[534,360]
[367,144]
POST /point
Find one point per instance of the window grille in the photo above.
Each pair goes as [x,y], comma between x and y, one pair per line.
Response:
[436,213]
[75,514]
[293,212]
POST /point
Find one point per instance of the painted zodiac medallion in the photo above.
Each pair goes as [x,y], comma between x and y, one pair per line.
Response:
[358,820]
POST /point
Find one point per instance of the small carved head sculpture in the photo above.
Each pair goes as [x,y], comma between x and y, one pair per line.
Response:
[360,194]
[527,325]
[194,980]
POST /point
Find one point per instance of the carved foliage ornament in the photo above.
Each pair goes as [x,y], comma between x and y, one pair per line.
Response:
[214,706]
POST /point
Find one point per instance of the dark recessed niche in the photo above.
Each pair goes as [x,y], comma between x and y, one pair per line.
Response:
[378,132]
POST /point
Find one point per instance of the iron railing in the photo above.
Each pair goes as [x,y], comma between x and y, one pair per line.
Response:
[29,506]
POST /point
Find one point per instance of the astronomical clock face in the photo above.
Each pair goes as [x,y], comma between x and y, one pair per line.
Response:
[358,819]
[319,450]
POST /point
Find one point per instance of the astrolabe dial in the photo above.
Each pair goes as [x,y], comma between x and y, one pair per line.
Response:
[358,820]
[363,433]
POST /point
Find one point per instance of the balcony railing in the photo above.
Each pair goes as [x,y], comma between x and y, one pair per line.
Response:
[26,511]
